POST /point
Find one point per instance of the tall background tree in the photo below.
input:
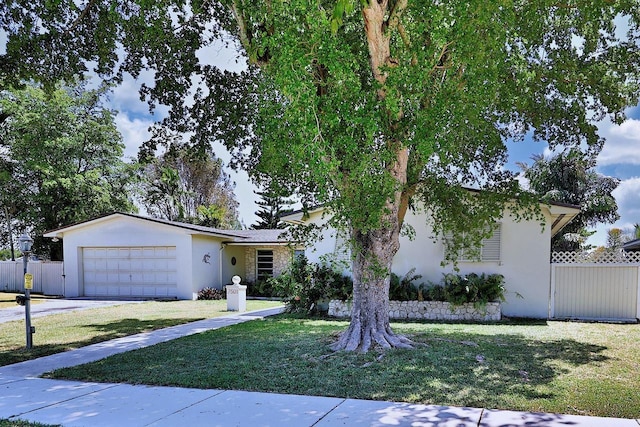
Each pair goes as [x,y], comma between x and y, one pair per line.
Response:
[62,154]
[571,177]
[189,186]
[365,106]
[272,208]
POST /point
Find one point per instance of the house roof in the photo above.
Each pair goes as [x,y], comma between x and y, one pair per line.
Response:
[632,245]
[561,214]
[271,236]
[233,236]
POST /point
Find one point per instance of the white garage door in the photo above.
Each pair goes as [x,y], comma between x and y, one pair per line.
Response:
[148,271]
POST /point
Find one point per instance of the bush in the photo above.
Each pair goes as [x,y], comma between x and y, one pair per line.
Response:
[210,294]
[472,288]
[304,285]
[403,289]
[261,288]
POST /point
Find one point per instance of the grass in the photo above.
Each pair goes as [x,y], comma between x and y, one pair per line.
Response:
[61,332]
[561,367]
[8,299]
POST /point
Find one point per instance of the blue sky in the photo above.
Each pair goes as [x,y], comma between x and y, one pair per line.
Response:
[619,158]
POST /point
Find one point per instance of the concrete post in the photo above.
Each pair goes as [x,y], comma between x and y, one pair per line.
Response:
[236,295]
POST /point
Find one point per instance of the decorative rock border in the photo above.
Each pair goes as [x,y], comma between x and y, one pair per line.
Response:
[426,310]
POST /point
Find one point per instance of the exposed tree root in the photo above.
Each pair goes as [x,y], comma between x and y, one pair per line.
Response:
[356,338]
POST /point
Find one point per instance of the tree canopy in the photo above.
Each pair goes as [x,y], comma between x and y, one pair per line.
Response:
[570,177]
[188,186]
[369,107]
[62,160]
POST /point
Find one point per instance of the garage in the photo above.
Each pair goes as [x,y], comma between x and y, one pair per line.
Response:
[123,255]
[148,271]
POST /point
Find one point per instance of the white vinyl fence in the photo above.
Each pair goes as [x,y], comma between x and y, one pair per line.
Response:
[47,276]
[596,286]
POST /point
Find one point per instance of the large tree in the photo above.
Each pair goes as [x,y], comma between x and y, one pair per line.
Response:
[369,107]
[571,177]
[62,154]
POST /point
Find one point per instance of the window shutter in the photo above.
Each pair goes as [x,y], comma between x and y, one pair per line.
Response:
[490,250]
[491,246]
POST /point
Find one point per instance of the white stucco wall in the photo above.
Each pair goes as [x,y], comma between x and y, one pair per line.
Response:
[206,262]
[525,265]
[525,255]
[228,269]
[126,232]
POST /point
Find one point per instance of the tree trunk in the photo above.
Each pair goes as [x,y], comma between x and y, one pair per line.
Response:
[374,251]
[371,269]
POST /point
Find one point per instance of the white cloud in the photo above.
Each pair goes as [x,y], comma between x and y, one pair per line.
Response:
[628,198]
[623,143]
[126,97]
[134,133]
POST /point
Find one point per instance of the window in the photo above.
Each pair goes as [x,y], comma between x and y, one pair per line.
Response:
[264,263]
[298,253]
[489,250]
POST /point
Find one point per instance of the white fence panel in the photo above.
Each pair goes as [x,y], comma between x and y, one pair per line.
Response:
[47,276]
[598,287]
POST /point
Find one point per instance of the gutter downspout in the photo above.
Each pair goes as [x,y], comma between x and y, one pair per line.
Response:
[222,246]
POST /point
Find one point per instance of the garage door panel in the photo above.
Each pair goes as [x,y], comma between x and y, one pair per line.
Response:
[130,271]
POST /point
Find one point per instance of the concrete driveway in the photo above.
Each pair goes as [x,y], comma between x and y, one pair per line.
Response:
[54,306]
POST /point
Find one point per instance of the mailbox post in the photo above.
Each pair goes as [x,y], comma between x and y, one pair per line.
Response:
[236,295]
[25,247]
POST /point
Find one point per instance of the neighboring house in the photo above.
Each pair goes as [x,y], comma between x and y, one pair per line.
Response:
[125,255]
[520,251]
[632,246]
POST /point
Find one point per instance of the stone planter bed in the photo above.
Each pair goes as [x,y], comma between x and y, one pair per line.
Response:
[426,310]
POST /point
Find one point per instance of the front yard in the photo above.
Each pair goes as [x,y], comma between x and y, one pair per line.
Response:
[61,332]
[563,367]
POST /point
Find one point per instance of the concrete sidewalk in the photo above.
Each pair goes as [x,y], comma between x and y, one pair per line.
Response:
[72,403]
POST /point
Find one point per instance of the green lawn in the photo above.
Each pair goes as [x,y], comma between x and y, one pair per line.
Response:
[62,332]
[564,367]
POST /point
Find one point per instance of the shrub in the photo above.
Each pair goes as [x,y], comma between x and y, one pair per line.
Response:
[210,294]
[471,288]
[304,285]
[403,289]
[261,288]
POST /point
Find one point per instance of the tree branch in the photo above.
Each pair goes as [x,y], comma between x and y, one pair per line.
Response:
[242,27]
[80,17]
[394,14]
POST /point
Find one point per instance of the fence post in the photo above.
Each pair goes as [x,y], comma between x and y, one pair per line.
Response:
[552,292]
[638,299]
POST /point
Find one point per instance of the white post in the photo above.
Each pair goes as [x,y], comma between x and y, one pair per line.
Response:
[236,295]
[552,292]
[638,299]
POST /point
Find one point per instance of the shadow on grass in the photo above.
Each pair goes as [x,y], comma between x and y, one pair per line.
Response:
[95,333]
[289,355]
[124,327]
[477,370]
